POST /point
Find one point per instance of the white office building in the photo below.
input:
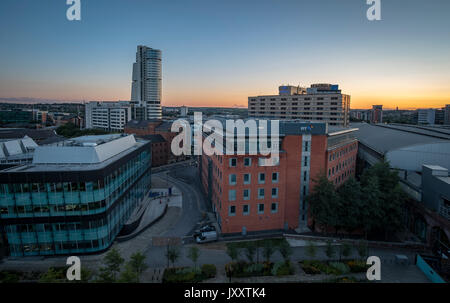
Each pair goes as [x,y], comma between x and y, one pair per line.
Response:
[110,116]
[320,102]
[426,116]
[146,84]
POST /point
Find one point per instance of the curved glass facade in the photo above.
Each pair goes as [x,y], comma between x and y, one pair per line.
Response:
[56,216]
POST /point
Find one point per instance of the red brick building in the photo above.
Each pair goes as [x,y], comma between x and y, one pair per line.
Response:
[248,197]
[159,133]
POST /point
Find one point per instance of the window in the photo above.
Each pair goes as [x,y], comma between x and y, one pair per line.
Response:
[305,161]
[305,176]
[247,178]
[233,162]
[232,195]
[245,209]
[232,210]
[274,208]
[247,162]
[274,177]
[260,208]
[246,194]
[261,193]
[275,192]
[232,179]
[306,146]
[261,178]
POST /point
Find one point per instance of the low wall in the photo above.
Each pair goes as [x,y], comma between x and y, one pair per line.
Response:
[413,246]
[431,274]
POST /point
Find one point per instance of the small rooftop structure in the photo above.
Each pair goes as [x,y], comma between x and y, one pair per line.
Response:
[16,147]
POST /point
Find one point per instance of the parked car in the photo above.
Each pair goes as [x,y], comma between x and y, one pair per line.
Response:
[208,236]
[205,228]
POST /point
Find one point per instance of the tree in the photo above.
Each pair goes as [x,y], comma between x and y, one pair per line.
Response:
[324,202]
[250,249]
[345,250]
[285,250]
[137,264]
[371,213]
[232,251]
[268,250]
[330,250]
[383,199]
[172,254]
[112,261]
[311,250]
[129,275]
[194,254]
[362,249]
[350,205]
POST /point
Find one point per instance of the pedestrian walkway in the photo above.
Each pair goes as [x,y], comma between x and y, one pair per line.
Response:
[155,208]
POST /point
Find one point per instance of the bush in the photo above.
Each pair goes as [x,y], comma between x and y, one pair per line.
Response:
[9,277]
[209,271]
[310,267]
[340,267]
[282,269]
[243,269]
[182,275]
[357,266]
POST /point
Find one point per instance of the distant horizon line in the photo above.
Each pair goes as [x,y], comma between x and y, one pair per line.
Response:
[43,101]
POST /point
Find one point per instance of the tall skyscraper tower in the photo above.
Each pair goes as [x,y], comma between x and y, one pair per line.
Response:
[146,84]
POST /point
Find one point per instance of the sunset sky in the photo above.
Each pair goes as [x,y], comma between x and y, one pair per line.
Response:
[219,52]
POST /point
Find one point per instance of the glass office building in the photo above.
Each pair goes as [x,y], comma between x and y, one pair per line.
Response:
[75,196]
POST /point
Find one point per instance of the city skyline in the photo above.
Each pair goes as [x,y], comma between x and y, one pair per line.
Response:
[237,51]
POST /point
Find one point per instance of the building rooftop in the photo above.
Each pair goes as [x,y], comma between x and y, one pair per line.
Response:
[165,126]
[140,123]
[154,138]
[437,132]
[82,153]
[35,134]
[16,147]
[383,139]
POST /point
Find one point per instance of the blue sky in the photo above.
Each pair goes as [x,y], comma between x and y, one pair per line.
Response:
[217,53]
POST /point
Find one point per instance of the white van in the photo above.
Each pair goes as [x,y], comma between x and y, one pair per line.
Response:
[208,236]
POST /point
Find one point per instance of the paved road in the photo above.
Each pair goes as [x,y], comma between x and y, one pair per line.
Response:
[184,178]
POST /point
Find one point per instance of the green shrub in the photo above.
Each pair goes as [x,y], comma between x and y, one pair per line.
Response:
[357,266]
[282,269]
[9,277]
[182,275]
[209,270]
[243,269]
[310,267]
[342,268]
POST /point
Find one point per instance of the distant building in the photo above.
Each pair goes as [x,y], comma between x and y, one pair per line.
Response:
[183,111]
[40,136]
[75,196]
[426,116]
[109,116]
[16,116]
[146,84]
[248,196]
[160,134]
[447,114]
[376,114]
[320,103]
